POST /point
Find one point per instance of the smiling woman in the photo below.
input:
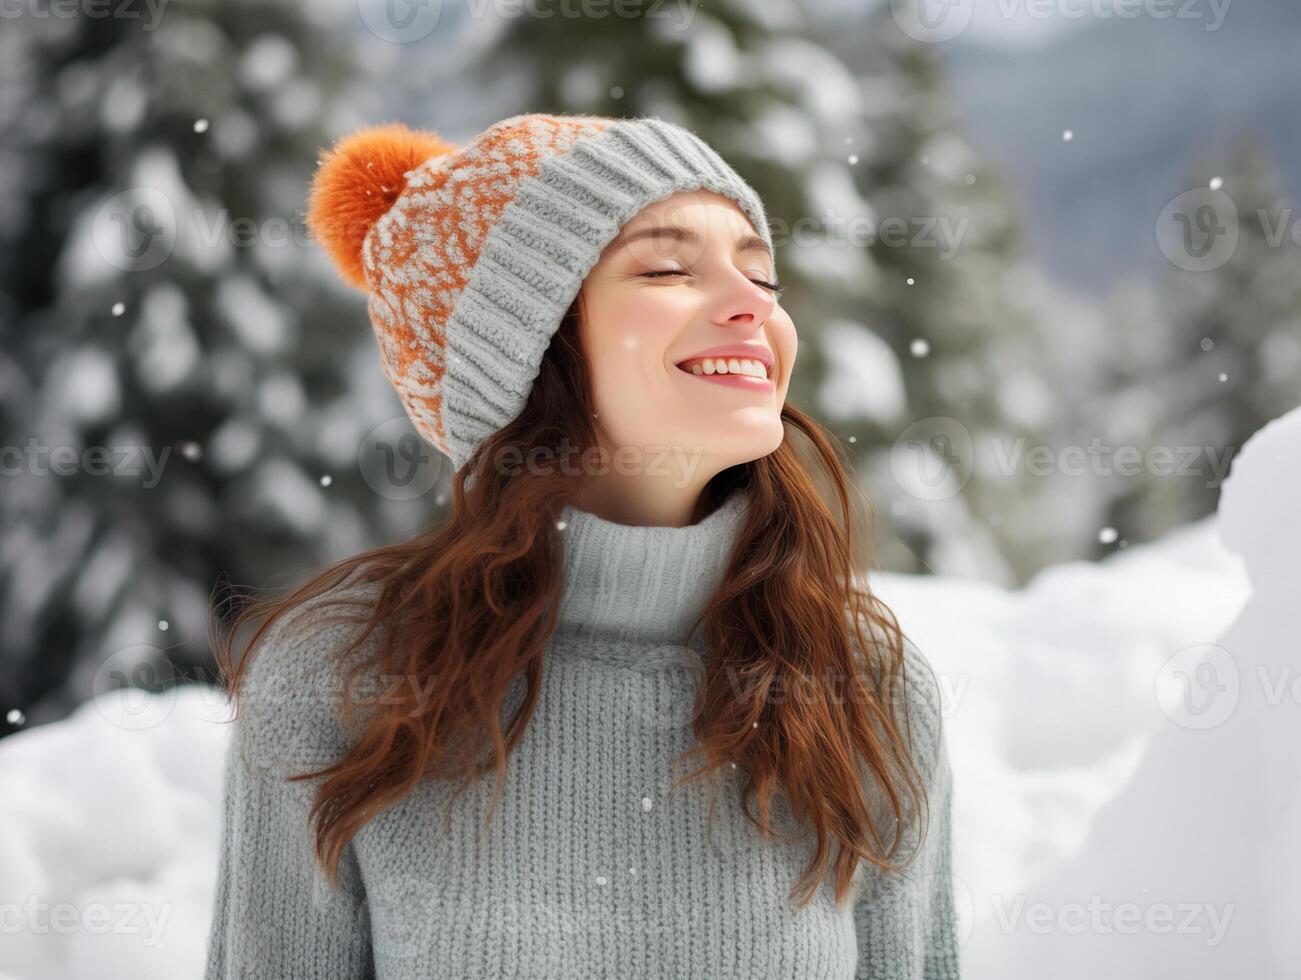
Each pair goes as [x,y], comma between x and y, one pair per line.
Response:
[687,347]
[638,568]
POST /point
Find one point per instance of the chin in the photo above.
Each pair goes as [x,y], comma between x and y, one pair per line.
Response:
[749,445]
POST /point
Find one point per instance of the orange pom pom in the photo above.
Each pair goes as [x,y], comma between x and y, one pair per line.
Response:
[358,180]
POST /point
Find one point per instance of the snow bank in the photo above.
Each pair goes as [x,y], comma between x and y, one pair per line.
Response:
[108,838]
[1123,737]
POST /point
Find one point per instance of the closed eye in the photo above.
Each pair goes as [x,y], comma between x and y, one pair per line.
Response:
[773,287]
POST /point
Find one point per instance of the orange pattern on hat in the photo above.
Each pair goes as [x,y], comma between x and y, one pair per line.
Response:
[422,251]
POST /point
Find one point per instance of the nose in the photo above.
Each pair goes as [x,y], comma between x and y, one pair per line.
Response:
[742,302]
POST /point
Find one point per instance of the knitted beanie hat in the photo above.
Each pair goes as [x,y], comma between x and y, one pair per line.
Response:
[471,255]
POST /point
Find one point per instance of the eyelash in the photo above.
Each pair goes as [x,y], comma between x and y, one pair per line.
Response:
[775,288]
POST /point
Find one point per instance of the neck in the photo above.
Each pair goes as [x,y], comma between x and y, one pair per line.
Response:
[673,500]
[644,584]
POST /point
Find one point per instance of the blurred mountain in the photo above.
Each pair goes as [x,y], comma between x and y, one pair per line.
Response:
[1142,97]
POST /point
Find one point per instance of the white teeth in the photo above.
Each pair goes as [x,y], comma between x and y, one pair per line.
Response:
[729,365]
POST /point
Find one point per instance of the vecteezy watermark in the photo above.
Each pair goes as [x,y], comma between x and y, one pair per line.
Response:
[1099,917]
[150,10]
[1201,229]
[916,896]
[1097,459]
[1200,687]
[135,230]
[675,700]
[936,21]
[138,229]
[406,21]
[135,688]
[36,917]
[837,230]
[659,461]
[934,458]
[38,459]
[397,463]
[832,687]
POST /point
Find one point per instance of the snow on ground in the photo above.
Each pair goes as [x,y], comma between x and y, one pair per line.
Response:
[108,838]
[1121,732]
[1048,693]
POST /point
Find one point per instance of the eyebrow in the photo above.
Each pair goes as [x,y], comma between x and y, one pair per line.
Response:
[688,236]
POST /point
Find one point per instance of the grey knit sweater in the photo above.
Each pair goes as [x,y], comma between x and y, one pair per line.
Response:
[590,867]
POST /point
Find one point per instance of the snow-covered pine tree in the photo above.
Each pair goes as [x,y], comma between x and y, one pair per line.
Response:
[195,384]
[1215,353]
[949,299]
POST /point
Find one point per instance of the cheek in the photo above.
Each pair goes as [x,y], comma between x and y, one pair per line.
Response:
[636,400]
[786,343]
[631,338]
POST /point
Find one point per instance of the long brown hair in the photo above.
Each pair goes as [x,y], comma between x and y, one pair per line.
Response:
[473,601]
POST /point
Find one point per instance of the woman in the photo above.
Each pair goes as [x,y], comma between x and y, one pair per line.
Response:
[582,313]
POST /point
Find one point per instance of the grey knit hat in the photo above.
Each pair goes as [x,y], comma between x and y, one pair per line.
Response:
[471,255]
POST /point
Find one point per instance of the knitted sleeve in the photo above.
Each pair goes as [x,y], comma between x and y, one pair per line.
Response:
[275,915]
[907,924]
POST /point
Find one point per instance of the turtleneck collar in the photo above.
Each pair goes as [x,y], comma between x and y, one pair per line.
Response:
[644,584]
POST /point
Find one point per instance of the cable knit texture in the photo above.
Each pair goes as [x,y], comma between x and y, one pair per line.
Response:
[590,866]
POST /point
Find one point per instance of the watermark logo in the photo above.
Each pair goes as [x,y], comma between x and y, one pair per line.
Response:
[1100,459]
[405,21]
[835,229]
[119,462]
[135,687]
[35,917]
[1100,917]
[150,15]
[397,463]
[936,21]
[1198,687]
[135,230]
[1199,230]
[933,21]
[400,21]
[932,458]
[666,461]
[675,701]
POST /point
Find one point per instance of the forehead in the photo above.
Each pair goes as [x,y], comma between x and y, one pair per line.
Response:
[699,207]
[690,219]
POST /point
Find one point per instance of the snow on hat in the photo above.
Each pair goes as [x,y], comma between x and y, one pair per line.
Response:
[471,255]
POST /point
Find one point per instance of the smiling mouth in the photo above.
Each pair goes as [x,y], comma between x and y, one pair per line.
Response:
[750,377]
[737,367]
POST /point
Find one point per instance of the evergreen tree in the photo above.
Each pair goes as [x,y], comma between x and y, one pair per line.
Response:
[189,385]
[1216,352]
